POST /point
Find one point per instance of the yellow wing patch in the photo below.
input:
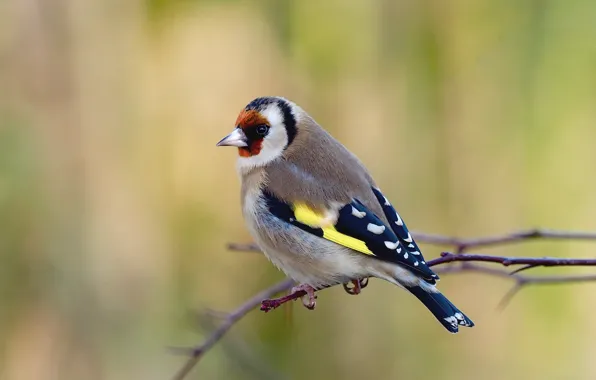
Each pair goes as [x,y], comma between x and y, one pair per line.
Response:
[306,215]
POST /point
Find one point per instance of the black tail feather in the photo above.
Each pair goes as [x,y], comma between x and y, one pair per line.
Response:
[445,312]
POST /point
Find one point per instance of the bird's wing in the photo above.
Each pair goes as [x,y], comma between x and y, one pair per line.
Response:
[354,226]
[397,225]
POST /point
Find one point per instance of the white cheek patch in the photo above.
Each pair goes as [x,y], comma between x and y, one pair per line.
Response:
[273,114]
[273,144]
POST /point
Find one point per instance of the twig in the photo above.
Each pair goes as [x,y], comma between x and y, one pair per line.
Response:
[467,263]
[509,295]
[514,237]
[198,352]
[448,257]
[462,244]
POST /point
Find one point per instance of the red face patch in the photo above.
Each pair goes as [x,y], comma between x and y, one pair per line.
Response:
[250,118]
[248,121]
[253,148]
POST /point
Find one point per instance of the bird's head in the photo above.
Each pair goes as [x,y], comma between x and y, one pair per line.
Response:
[264,129]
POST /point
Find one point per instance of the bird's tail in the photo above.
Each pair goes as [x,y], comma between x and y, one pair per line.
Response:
[446,312]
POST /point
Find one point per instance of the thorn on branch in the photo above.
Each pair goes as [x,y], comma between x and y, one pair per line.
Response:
[526,267]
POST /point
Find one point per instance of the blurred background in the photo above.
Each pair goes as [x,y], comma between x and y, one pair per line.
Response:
[475,117]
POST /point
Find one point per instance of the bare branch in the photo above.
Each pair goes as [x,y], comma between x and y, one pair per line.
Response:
[461,244]
[198,352]
[466,263]
[251,247]
[448,257]
[515,237]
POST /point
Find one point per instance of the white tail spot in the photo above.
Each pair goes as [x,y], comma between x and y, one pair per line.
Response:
[399,222]
[451,320]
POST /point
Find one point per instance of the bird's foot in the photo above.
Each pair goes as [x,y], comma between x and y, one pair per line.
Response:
[358,286]
[309,300]
[303,291]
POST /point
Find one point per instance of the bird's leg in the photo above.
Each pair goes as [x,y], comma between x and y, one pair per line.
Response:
[358,286]
[304,291]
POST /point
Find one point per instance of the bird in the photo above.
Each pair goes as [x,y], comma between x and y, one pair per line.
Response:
[315,211]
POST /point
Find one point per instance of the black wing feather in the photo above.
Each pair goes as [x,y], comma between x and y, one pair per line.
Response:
[354,220]
[399,227]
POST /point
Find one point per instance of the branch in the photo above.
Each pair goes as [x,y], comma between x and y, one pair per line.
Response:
[448,257]
[467,261]
[530,262]
[197,353]
[461,244]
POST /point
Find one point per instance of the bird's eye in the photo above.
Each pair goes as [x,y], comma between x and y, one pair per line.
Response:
[262,130]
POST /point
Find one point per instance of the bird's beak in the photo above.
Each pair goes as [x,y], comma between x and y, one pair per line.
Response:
[236,138]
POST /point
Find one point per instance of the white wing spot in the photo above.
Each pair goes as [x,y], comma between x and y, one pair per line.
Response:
[406,255]
[415,253]
[423,262]
[411,246]
[415,263]
[358,214]
[391,245]
[399,222]
[409,238]
[398,249]
[377,230]
[386,201]
[459,316]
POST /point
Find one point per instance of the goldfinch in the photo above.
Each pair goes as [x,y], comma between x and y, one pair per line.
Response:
[317,214]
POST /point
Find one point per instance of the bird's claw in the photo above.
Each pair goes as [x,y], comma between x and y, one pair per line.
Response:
[358,286]
[309,300]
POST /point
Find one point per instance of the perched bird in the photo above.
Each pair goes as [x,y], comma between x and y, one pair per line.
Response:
[316,212]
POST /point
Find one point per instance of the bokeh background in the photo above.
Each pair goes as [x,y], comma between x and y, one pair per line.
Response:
[476,118]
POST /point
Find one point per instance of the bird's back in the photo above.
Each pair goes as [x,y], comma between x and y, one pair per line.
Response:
[326,172]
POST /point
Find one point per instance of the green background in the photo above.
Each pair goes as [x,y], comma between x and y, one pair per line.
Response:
[475,117]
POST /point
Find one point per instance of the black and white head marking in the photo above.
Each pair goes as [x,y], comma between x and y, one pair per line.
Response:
[281,117]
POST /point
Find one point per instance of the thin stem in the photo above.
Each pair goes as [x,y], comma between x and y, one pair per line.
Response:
[448,257]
